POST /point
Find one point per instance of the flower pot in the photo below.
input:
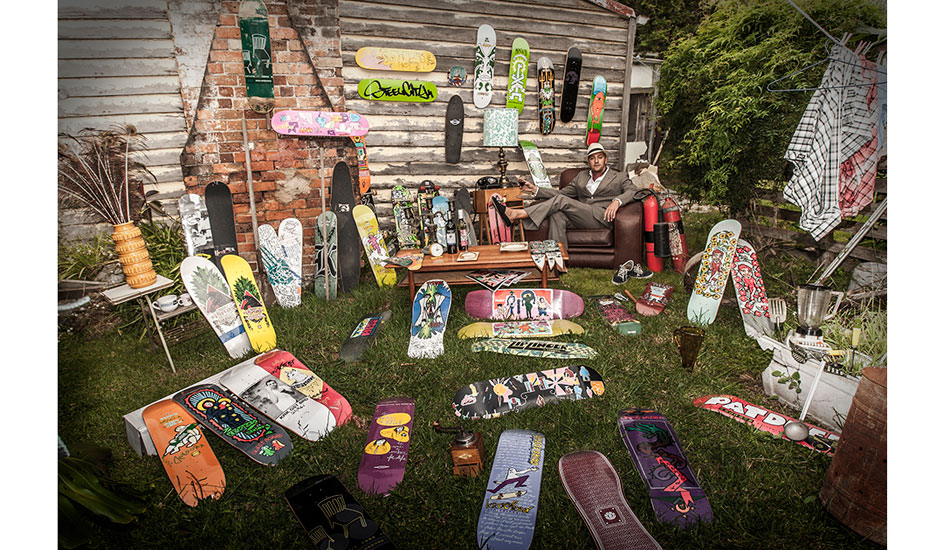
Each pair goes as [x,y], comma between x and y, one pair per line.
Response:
[133,255]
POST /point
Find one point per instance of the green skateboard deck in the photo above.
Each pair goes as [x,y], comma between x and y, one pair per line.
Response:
[520,329]
[255,52]
[714,269]
[392,89]
[518,74]
[250,303]
[535,348]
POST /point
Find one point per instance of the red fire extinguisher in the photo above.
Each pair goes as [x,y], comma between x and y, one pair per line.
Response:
[650,217]
[671,213]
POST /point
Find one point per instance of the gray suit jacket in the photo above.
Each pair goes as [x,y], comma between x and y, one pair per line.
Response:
[615,185]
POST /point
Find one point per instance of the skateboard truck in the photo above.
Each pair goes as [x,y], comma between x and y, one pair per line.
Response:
[467,450]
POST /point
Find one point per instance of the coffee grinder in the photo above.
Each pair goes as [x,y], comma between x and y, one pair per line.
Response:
[813,301]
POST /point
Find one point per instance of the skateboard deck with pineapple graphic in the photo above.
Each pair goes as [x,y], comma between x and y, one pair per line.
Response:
[546,95]
[250,304]
[363,335]
[430,312]
[282,255]
[714,269]
[347,235]
[196,225]
[325,260]
[190,463]
[532,157]
[319,123]
[484,66]
[535,348]
[292,371]
[572,81]
[518,74]
[595,114]
[211,293]
[395,59]
[373,244]
[331,516]
[617,316]
[510,505]
[387,446]
[750,290]
[520,329]
[256,54]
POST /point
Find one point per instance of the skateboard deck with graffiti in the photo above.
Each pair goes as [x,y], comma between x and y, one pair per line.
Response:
[546,95]
[373,245]
[210,292]
[349,247]
[497,396]
[536,348]
[714,269]
[484,66]
[656,451]
[454,129]
[282,255]
[196,225]
[387,446]
[230,418]
[255,52]
[510,505]
[594,487]
[532,157]
[403,212]
[250,304]
[221,218]
[553,251]
[520,329]
[331,516]
[498,232]
[319,123]
[392,89]
[294,373]
[654,299]
[819,439]
[617,316]
[441,214]
[518,74]
[523,303]
[363,335]
[750,291]
[595,113]
[430,313]
[190,463]
[395,59]
[325,256]
[572,81]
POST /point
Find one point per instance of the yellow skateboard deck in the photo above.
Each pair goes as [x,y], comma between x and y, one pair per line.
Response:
[520,329]
[374,245]
[250,303]
[394,59]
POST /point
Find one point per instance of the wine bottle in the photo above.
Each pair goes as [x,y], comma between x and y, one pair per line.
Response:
[451,239]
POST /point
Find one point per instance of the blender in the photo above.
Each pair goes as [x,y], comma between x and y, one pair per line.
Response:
[813,301]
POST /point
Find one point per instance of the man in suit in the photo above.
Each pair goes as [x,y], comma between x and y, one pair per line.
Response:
[590,201]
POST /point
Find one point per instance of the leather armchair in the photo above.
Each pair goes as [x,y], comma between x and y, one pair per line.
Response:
[601,248]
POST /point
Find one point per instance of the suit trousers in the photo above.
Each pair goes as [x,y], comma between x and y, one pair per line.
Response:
[563,213]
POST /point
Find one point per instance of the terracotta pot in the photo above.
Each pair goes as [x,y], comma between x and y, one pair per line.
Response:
[133,255]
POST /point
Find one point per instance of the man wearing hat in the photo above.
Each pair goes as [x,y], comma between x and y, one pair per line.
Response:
[590,201]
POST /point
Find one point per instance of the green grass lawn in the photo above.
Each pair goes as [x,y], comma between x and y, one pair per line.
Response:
[763,491]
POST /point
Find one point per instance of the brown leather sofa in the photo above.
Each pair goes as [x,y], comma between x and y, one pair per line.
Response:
[601,248]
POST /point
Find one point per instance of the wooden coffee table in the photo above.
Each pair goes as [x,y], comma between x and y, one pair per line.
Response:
[453,272]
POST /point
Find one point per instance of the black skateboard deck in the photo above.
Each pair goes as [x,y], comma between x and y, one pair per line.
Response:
[363,335]
[221,216]
[349,248]
[572,80]
[454,128]
[495,397]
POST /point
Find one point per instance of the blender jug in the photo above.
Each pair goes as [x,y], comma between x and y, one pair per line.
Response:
[813,303]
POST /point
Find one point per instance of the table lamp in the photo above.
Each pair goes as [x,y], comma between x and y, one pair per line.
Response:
[501,130]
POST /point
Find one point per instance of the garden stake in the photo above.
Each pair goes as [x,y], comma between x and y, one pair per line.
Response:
[250,182]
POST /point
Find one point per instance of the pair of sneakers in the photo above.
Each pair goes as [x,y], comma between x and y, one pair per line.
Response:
[629,270]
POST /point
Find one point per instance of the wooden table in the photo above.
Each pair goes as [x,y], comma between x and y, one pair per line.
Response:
[446,267]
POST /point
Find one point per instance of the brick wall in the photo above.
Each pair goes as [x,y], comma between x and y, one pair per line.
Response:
[307,64]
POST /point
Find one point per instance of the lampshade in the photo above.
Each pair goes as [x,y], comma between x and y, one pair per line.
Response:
[501,128]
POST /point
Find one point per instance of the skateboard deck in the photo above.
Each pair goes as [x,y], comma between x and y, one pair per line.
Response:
[403,213]
[463,201]
[654,299]
[656,451]
[546,95]
[819,439]
[454,129]
[233,420]
[331,516]
[713,272]
[221,218]
[392,89]
[294,373]
[523,303]
[255,52]
[536,348]
[538,254]
[553,251]
[395,59]
[498,231]
[617,316]
[363,335]
[510,505]
[250,304]
[750,290]
[319,123]
[387,446]
[414,260]
[532,157]
[374,245]
[518,74]
[495,397]
[440,212]
[520,329]
[457,76]
[278,401]
[484,66]
[325,259]
[572,80]
[281,254]
[211,293]
[595,114]
[196,225]
[190,463]
[362,164]
[430,312]
[594,487]
[348,237]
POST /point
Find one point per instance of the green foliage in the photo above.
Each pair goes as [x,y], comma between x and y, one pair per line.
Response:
[727,132]
[83,260]
[670,20]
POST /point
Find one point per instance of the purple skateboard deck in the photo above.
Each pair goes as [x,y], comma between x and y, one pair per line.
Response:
[387,446]
[319,123]
[523,303]
[593,485]
[656,451]
[497,396]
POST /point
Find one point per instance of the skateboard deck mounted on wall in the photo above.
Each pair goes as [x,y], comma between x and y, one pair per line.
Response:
[363,173]
[595,114]
[319,123]
[617,316]
[484,66]
[750,290]
[654,299]
[221,218]
[518,74]
[373,245]
[536,348]
[392,89]
[282,255]
[546,95]
[714,269]
[430,312]
[211,293]
[395,59]
[325,259]
[383,464]
[523,303]
[454,129]
[532,157]
[255,52]
[510,505]
[250,304]
[497,396]
[233,420]
[659,458]
[190,463]
[196,225]
[572,81]
[348,237]
[363,335]
[293,372]
[520,329]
